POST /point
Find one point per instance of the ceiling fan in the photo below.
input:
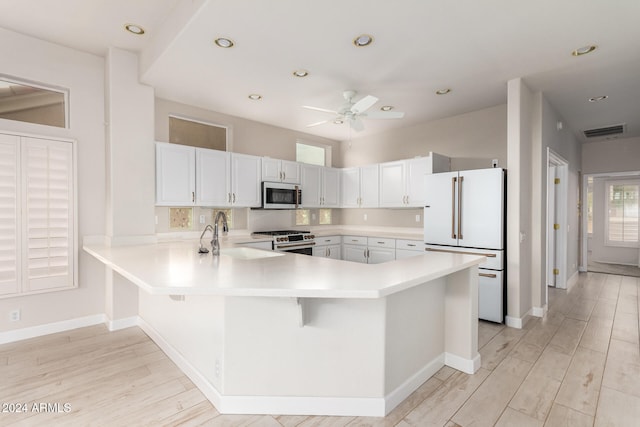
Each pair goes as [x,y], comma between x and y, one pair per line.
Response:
[353,112]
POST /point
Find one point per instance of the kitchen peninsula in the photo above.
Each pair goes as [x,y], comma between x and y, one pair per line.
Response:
[279,333]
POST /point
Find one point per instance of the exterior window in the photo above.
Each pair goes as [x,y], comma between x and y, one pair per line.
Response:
[32,103]
[312,154]
[622,213]
[302,217]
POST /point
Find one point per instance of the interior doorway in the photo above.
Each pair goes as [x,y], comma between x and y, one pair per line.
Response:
[556,221]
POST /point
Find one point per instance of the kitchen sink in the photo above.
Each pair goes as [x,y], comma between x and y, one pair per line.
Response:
[248,253]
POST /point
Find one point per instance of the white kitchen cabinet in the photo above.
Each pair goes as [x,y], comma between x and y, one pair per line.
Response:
[175,175]
[188,176]
[354,253]
[409,248]
[328,247]
[402,182]
[38,215]
[360,187]
[321,186]
[276,170]
[368,250]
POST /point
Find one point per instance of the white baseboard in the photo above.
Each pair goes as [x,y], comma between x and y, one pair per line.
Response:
[116,325]
[468,366]
[514,322]
[539,311]
[572,280]
[403,391]
[51,328]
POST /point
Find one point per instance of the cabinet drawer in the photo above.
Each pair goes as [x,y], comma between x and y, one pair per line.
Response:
[328,240]
[494,259]
[381,242]
[354,240]
[410,245]
[490,295]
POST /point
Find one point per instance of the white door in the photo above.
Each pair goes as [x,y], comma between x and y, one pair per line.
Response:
[416,170]
[350,194]
[369,186]
[175,175]
[392,185]
[551,220]
[290,172]
[271,170]
[213,178]
[440,211]
[245,180]
[330,188]
[481,210]
[310,181]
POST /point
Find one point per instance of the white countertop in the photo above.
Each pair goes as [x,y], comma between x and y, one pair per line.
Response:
[176,268]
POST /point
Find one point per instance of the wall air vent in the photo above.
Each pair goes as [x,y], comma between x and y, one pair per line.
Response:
[606,131]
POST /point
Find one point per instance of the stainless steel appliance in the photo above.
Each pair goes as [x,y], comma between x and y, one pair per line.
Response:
[278,195]
[292,241]
[465,212]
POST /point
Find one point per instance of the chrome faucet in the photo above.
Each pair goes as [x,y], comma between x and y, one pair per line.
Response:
[215,244]
[202,249]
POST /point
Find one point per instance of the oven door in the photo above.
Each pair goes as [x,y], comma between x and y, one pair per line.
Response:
[276,195]
[301,248]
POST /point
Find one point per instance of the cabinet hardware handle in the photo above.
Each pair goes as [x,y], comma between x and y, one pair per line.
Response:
[234,197]
[193,196]
[381,243]
[460,208]
[460,252]
[411,244]
[284,175]
[229,197]
[491,276]
[328,251]
[296,246]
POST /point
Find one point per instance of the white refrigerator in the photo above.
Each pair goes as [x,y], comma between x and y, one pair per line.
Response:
[465,212]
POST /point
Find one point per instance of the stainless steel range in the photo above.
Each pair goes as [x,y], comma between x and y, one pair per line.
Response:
[293,241]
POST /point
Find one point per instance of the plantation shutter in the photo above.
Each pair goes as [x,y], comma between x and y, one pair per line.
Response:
[9,215]
[48,209]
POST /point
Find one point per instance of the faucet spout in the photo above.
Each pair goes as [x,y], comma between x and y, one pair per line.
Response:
[202,249]
[215,243]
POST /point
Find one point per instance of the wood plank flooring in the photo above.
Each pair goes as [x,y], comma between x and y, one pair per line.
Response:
[578,366]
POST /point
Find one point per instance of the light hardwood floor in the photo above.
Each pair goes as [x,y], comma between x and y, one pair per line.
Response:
[578,366]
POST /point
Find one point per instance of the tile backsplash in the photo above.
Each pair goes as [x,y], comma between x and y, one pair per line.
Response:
[180,218]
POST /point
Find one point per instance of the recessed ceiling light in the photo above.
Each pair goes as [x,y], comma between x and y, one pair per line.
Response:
[301,73]
[443,91]
[224,42]
[363,40]
[338,121]
[598,98]
[255,97]
[584,50]
[134,29]
[386,108]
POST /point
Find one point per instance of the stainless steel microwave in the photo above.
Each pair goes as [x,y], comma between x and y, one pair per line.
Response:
[278,195]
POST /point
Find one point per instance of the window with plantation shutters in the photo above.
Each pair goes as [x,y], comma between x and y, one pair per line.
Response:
[39,203]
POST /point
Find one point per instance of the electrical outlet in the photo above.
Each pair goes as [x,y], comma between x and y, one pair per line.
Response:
[418,218]
[202,219]
[217,368]
[365,217]
[494,163]
[14,315]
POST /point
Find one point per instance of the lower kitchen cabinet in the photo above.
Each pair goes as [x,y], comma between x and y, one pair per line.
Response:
[409,248]
[368,250]
[328,247]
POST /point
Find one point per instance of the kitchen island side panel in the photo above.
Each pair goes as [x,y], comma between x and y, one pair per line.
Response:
[339,352]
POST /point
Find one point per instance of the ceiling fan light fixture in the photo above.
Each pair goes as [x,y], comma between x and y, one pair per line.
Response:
[445,91]
[363,40]
[134,29]
[386,108]
[598,98]
[584,50]
[301,73]
[255,97]
[224,42]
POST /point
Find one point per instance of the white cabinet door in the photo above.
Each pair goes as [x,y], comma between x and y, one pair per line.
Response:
[354,253]
[440,225]
[490,298]
[416,171]
[10,220]
[369,186]
[213,178]
[245,180]
[175,175]
[334,252]
[290,171]
[271,170]
[482,211]
[392,184]
[310,181]
[379,255]
[330,188]
[350,187]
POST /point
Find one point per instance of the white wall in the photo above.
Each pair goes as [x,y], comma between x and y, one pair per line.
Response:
[83,74]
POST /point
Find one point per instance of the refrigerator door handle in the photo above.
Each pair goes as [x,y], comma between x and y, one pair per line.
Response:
[460,208]
[453,207]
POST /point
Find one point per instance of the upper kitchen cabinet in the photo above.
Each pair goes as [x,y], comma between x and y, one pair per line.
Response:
[402,181]
[359,187]
[175,175]
[275,170]
[187,176]
[321,186]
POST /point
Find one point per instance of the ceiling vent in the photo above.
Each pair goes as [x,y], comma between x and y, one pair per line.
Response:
[606,131]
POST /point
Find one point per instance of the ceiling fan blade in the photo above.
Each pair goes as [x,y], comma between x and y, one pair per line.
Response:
[364,104]
[324,110]
[318,123]
[356,124]
[384,115]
